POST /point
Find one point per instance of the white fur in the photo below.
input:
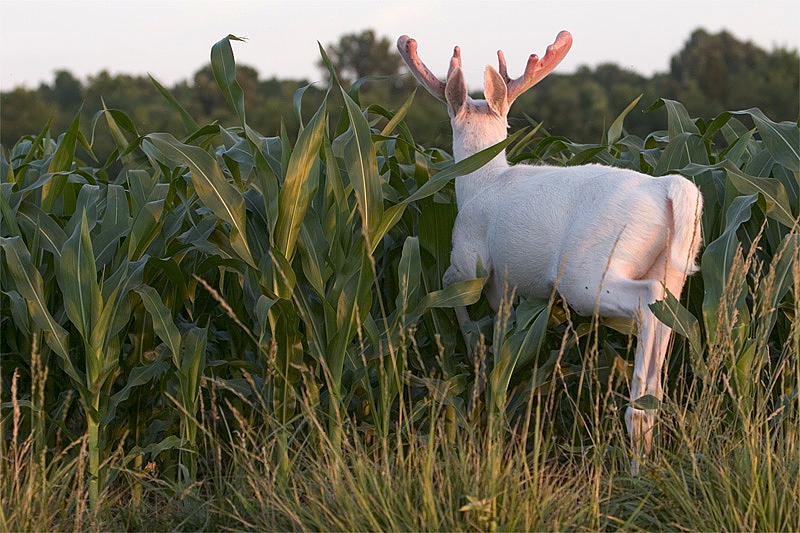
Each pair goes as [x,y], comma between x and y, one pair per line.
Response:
[609,240]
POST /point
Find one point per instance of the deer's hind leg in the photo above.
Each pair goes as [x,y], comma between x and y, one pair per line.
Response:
[616,296]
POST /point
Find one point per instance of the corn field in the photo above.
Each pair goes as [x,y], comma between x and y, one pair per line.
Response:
[232,331]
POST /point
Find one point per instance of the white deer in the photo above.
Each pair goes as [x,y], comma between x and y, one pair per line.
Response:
[609,240]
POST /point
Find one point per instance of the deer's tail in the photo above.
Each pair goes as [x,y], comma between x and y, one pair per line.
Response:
[687,206]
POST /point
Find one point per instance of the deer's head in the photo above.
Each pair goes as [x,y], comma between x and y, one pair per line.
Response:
[478,124]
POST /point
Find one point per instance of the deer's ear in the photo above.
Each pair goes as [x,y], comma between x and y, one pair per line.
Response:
[494,90]
[455,92]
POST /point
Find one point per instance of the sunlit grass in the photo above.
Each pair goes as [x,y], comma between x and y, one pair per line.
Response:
[715,467]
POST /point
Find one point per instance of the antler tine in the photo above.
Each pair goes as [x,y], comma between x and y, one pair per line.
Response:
[408,51]
[455,61]
[535,70]
[501,60]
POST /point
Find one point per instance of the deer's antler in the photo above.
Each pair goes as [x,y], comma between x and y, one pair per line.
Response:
[408,50]
[536,69]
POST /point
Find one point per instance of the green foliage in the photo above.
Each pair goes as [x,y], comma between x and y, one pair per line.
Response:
[577,106]
[262,317]
[358,55]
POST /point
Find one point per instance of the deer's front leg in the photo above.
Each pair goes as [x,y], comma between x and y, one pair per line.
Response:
[453,275]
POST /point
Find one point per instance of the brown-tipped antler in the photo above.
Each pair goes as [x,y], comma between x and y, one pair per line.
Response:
[535,70]
[408,50]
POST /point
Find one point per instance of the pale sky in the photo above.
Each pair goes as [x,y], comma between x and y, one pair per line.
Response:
[171,39]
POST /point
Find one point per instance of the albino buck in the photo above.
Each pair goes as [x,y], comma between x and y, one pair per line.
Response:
[609,240]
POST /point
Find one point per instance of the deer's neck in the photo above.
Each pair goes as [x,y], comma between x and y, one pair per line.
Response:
[471,134]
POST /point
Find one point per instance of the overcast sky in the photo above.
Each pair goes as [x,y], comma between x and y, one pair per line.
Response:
[171,39]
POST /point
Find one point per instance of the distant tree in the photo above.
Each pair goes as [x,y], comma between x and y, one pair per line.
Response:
[710,74]
[716,72]
[206,92]
[66,91]
[363,54]
[24,112]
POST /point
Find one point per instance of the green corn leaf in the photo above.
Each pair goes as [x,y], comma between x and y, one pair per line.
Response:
[408,272]
[19,311]
[519,348]
[145,228]
[715,126]
[734,129]
[679,319]
[28,282]
[163,325]
[115,225]
[140,184]
[362,169]
[470,164]
[85,205]
[458,294]
[116,207]
[615,130]
[313,250]
[289,355]
[192,366]
[678,120]
[586,154]
[683,149]
[263,305]
[533,315]
[101,339]
[735,154]
[116,288]
[312,314]
[391,216]
[137,377]
[329,65]
[34,219]
[77,278]
[278,274]
[399,115]
[121,120]
[778,206]
[647,402]
[523,143]
[780,279]
[781,139]
[213,189]
[224,68]
[8,216]
[743,370]
[60,163]
[37,142]
[343,296]
[171,269]
[297,104]
[118,121]
[352,304]
[153,450]
[334,178]
[717,260]
[268,182]
[286,149]
[188,122]
[300,183]
[760,165]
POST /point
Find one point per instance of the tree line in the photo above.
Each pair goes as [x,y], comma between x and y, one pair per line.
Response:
[713,72]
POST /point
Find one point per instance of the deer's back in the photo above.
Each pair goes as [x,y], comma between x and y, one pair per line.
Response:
[538,218]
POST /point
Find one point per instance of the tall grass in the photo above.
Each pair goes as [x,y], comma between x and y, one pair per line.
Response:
[235,331]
